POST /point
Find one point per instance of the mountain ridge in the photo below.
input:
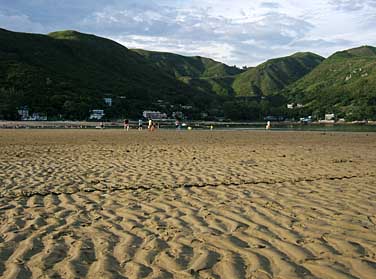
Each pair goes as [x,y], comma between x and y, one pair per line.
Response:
[274,74]
[67,73]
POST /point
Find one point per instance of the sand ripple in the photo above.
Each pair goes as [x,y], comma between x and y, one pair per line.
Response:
[80,204]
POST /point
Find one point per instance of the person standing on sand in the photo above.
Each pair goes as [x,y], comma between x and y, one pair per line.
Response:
[140,124]
[150,124]
[177,124]
[153,126]
[268,125]
[126,125]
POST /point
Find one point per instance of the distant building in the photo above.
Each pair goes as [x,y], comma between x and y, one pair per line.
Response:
[293,105]
[108,101]
[306,120]
[274,118]
[329,117]
[25,115]
[154,114]
[96,114]
[36,116]
[187,107]
[23,112]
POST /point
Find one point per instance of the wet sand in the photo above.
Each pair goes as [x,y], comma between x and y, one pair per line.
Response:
[168,204]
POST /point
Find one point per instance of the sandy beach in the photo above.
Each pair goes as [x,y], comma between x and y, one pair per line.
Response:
[198,204]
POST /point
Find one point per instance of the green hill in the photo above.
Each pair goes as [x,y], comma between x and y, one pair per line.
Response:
[274,75]
[344,84]
[363,51]
[203,74]
[208,75]
[68,73]
[185,66]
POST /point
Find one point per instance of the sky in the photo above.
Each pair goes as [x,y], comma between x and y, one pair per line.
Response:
[236,32]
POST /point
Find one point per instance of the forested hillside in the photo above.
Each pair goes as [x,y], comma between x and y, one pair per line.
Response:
[66,74]
[344,84]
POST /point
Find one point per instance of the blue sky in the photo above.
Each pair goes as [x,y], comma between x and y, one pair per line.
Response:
[236,32]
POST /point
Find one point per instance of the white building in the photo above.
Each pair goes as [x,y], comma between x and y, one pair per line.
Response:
[38,117]
[329,117]
[154,114]
[293,105]
[23,112]
[108,101]
[25,115]
[96,114]
[187,107]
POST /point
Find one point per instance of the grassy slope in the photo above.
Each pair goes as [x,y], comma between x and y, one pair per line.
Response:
[65,66]
[203,74]
[46,72]
[344,83]
[275,74]
[185,66]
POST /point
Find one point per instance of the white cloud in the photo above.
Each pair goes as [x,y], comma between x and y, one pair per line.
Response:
[215,50]
[236,32]
[195,29]
[353,5]
[19,22]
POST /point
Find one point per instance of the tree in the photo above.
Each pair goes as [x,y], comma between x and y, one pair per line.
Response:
[10,101]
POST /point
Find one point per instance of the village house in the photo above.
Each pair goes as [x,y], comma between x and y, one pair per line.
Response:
[36,116]
[108,101]
[149,114]
[293,105]
[23,112]
[96,114]
[25,115]
[187,107]
[329,117]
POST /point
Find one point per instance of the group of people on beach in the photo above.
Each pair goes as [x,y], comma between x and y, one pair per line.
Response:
[152,125]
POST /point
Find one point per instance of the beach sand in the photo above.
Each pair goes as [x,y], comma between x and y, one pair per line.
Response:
[199,204]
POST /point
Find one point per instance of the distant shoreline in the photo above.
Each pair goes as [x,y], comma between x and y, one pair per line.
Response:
[170,124]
